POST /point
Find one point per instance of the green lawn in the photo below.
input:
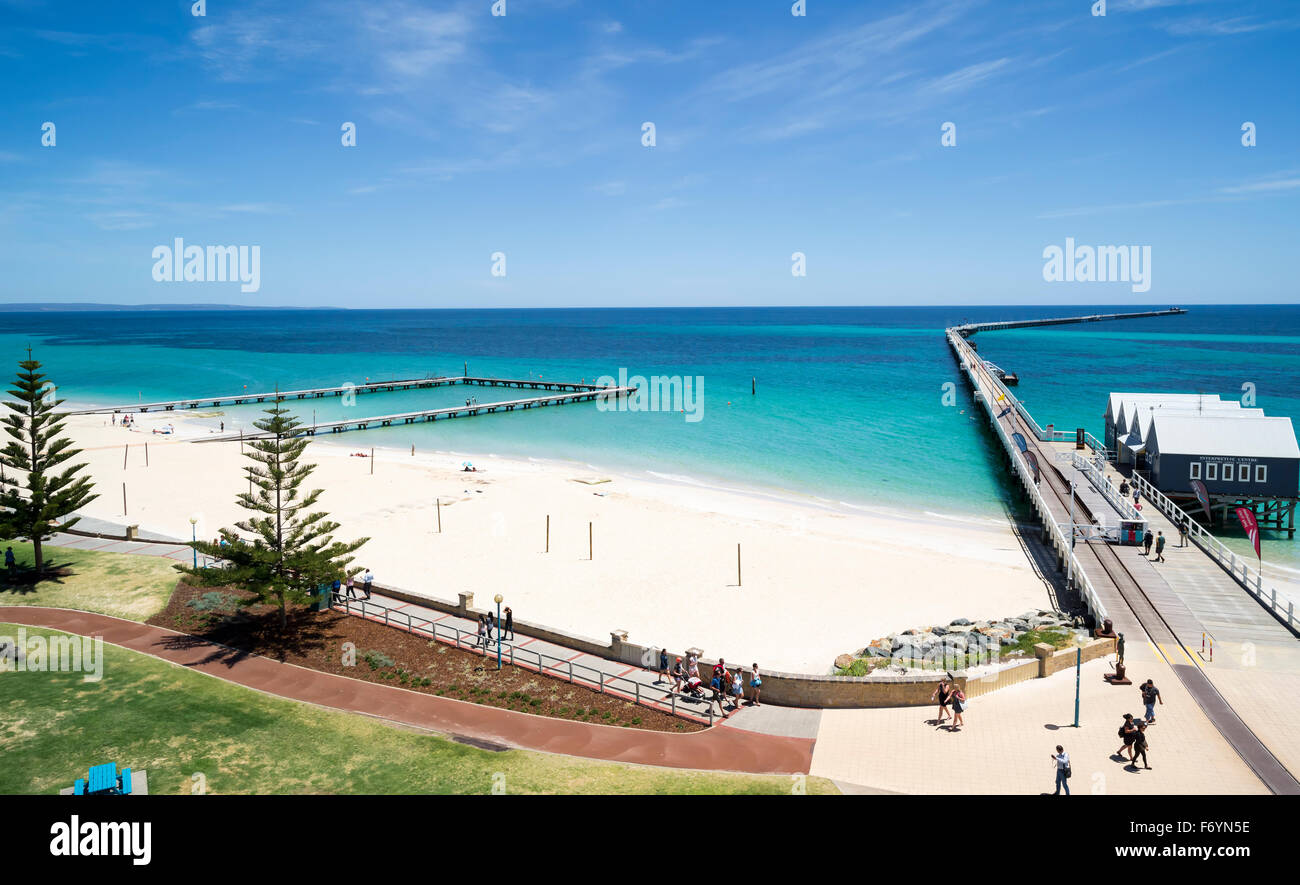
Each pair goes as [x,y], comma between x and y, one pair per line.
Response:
[148,714]
[123,585]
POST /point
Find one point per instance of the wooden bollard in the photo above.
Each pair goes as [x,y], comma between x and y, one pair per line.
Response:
[372,461]
[737,565]
[124,499]
[548,533]
[590,548]
[438,502]
[125,452]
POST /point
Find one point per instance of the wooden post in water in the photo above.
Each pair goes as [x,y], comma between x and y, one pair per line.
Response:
[737,565]
[548,533]
[753,385]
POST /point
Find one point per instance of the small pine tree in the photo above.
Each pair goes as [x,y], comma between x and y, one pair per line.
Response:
[292,551]
[36,449]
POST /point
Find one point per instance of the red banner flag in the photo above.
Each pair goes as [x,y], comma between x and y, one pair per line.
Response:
[1249,523]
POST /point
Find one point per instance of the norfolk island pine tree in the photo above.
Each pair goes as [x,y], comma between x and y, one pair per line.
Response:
[32,510]
[292,551]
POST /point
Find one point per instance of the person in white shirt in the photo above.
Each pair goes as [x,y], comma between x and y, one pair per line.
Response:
[1062,760]
[366,581]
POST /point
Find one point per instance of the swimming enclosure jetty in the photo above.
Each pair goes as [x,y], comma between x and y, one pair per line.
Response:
[1085,521]
[559,393]
[239,399]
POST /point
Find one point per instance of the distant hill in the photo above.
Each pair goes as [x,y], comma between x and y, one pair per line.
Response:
[68,306]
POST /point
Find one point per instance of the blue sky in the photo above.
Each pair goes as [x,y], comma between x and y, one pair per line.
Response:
[523,134]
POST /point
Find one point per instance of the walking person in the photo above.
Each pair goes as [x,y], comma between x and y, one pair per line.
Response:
[1063,772]
[942,693]
[679,675]
[737,690]
[489,621]
[1140,746]
[1128,731]
[510,623]
[756,683]
[663,667]
[1150,697]
[335,588]
[958,707]
[1147,542]
[10,562]
[481,641]
[1160,546]
[1182,533]
[368,578]
[719,686]
[1123,488]
[352,590]
[692,666]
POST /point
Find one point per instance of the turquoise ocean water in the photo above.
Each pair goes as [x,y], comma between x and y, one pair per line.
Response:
[849,410]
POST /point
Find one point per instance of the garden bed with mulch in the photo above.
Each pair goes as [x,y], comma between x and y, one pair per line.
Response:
[391,656]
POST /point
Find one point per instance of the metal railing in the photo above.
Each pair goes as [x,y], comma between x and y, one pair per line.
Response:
[1086,588]
[576,674]
[1282,607]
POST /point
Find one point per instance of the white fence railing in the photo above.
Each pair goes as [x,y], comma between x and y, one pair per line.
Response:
[677,704]
[991,385]
[1097,476]
[1282,607]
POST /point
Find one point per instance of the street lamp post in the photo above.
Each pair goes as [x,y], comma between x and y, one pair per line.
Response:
[499,598]
[1078,671]
[194,538]
[1069,559]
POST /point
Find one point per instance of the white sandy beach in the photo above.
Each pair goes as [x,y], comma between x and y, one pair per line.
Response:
[816,582]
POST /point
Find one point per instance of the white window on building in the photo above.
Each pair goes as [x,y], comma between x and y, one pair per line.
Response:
[1261,473]
[1227,473]
[1196,470]
[1212,470]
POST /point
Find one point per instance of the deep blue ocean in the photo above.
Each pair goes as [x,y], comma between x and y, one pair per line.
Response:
[849,406]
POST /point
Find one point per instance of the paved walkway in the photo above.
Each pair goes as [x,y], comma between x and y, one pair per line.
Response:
[617,677]
[1010,734]
[718,749]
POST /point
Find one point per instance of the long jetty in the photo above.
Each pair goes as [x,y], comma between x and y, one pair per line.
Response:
[1116,582]
[239,399]
[968,329]
[588,394]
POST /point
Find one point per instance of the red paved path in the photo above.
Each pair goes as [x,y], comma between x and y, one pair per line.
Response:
[720,748]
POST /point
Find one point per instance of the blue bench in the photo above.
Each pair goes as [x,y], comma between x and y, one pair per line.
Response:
[104,780]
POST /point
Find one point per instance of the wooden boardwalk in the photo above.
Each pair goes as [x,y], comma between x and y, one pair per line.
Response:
[239,399]
[1118,582]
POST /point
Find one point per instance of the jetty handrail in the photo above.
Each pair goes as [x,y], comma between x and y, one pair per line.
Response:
[1086,588]
[1282,607]
[562,667]
[1102,483]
